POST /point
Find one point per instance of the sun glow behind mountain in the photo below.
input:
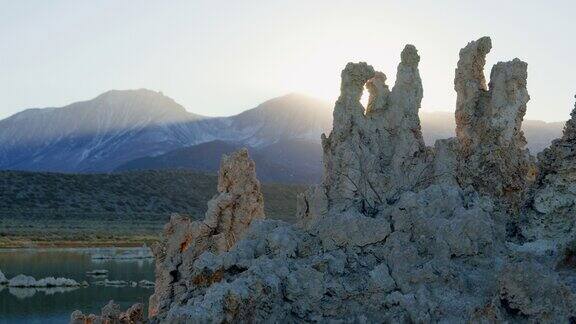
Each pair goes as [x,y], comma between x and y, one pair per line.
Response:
[217,60]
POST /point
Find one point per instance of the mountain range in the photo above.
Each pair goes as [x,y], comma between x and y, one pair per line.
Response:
[143,129]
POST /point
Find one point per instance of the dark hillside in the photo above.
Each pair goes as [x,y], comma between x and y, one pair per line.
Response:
[120,207]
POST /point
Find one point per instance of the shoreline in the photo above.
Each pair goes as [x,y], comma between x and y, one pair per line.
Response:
[73,244]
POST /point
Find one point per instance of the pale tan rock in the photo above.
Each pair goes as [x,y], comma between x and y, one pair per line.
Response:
[396,232]
[491,153]
[238,203]
[552,203]
[374,154]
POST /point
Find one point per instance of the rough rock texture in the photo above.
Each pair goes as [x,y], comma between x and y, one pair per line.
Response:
[376,153]
[133,315]
[491,152]
[552,204]
[437,255]
[111,314]
[238,203]
[398,232]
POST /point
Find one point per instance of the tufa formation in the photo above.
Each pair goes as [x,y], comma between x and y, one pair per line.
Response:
[491,154]
[238,203]
[471,230]
[551,212]
[111,314]
[374,155]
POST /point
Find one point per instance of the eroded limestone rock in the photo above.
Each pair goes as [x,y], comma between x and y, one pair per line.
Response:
[376,153]
[398,232]
[111,314]
[238,203]
[552,204]
[280,272]
[491,153]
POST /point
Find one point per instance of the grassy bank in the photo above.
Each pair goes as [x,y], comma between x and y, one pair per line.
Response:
[74,230]
[126,209]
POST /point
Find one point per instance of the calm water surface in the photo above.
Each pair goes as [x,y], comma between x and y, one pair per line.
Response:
[27,305]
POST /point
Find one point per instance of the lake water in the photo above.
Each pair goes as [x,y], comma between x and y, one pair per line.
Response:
[28,305]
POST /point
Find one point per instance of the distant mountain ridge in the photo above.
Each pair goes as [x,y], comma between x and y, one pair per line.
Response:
[118,126]
[143,129]
[98,134]
[293,116]
[286,161]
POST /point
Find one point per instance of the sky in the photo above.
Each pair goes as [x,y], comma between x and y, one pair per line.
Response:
[218,58]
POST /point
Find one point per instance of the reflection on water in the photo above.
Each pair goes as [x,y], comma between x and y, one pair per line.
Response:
[55,304]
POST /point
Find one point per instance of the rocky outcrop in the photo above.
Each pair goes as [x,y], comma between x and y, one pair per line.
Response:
[437,255]
[24,281]
[491,153]
[111,314]
[238,203]
[397,232]
[374,154]
[552,204]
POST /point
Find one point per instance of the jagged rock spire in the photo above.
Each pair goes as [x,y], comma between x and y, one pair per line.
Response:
[238,203]
[407,92]
[489,115]
[348,111]
[373,154]
[469,84]
[491,153]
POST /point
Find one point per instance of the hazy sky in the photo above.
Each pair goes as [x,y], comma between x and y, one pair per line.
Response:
[222,57]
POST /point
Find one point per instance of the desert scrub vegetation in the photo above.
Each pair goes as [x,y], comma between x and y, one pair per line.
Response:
[119,208]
